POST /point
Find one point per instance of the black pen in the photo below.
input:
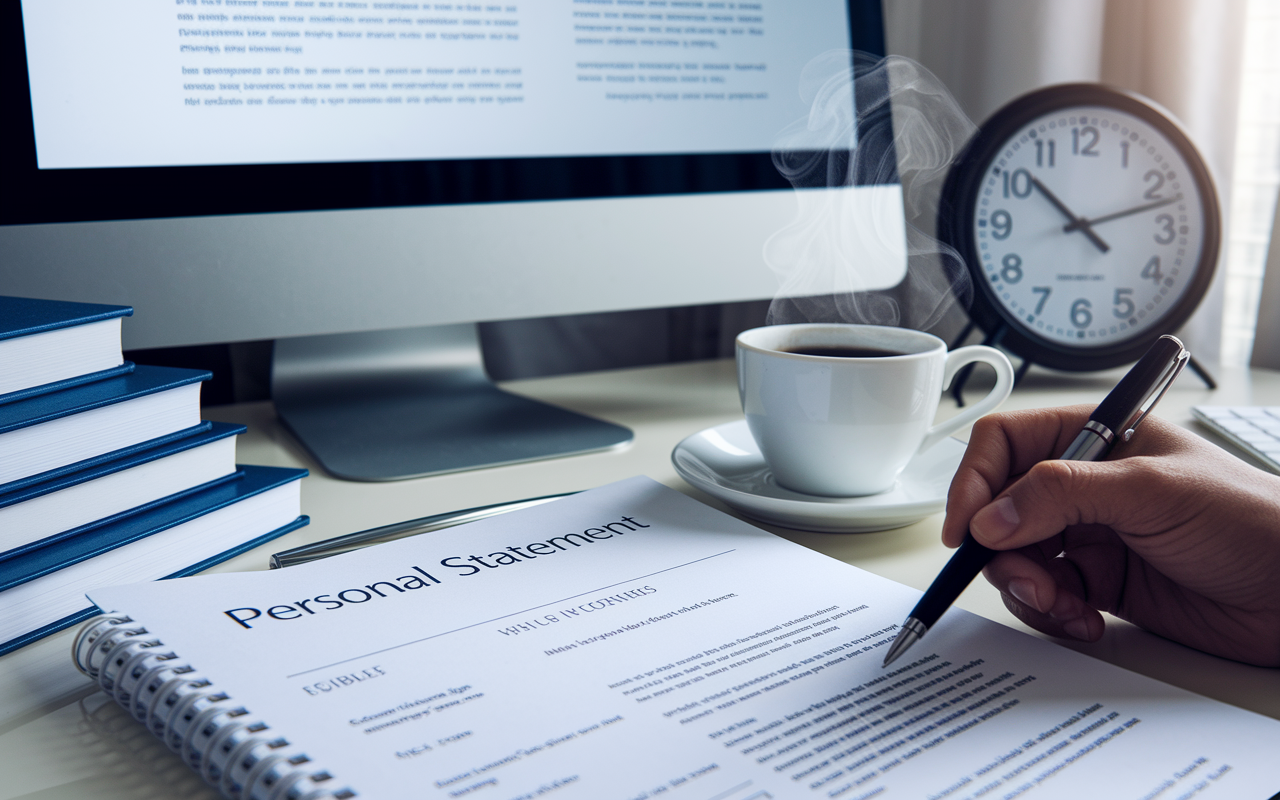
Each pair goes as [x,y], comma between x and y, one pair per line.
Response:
[1115,418]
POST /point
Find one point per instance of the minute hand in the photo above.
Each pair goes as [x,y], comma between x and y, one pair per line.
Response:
[1076,223]
[1082,222]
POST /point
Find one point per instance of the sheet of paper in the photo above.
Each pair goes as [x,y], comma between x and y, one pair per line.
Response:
[632,643]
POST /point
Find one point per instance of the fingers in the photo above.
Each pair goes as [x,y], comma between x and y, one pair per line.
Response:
[1044,595]
[1001,447]
[1054,495]
[1170,533]
[1008,497]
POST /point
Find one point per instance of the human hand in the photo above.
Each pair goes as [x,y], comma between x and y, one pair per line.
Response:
[1172,533]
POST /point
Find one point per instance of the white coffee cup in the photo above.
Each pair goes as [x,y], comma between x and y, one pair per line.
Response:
[845,426]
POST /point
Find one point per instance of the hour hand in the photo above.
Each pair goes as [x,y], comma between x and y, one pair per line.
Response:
[1076,223]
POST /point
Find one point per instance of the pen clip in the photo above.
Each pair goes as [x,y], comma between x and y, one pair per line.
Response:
[1157,391]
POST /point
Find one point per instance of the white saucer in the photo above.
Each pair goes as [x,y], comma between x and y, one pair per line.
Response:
[725,462]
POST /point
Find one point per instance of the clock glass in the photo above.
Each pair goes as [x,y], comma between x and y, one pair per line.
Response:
[1089,226]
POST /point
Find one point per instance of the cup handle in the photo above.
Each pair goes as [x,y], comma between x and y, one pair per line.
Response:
[957,360]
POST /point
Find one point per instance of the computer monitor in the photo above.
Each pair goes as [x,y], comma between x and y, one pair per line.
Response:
[363,181]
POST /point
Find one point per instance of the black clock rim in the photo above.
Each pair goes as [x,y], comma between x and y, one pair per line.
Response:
[959,202]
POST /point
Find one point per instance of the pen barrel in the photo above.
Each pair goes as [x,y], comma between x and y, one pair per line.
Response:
[1139,383]
[1088,446]
[955,577]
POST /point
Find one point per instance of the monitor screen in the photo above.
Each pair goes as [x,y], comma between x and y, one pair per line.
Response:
[565,157]
[251,106]
[270,169]
[289,81]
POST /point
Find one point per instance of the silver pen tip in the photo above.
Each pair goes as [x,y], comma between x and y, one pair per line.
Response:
[910,633]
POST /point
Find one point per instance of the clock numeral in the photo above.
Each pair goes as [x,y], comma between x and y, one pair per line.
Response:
[1019,189]
[1154,192]
[1044,292]
[1152,270]
[1001,224]
[1011,271]
[1124,306]
[1088,136]
[1167,233]
[1081,315]
[1124,155]
[1040,148]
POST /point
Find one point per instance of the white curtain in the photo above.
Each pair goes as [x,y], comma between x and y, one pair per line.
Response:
[1266,342]
[1184,54]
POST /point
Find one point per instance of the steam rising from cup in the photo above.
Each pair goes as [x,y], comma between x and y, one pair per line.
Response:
[880,136]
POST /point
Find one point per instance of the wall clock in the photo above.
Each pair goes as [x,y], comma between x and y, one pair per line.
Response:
[1088,222]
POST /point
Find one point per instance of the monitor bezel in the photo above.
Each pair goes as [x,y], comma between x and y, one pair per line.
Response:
[34,196]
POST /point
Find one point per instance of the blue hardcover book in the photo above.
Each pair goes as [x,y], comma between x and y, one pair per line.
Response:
[35,514]
[46,345]
[43,591]
[70,429]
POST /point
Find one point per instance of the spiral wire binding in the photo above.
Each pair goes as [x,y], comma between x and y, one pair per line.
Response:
[114,739]
[230,748]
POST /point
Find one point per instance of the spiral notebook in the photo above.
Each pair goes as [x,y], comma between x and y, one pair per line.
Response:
[629,642]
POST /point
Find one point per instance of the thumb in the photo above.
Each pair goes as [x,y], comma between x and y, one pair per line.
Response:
[1053,495]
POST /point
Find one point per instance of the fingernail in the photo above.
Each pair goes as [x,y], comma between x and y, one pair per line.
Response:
[1025,591]
[1077,629]
[996,521]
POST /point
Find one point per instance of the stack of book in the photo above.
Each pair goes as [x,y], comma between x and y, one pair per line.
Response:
[107,473]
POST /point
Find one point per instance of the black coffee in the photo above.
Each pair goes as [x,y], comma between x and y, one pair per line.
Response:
[843,352]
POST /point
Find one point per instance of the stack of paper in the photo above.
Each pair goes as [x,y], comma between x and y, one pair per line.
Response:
[631,643]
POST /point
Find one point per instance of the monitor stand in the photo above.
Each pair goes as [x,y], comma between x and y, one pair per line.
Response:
[390,405]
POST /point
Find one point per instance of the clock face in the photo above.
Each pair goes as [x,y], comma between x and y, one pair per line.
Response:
[1089,227]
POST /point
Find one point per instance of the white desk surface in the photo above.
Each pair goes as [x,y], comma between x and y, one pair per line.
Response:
[60,739]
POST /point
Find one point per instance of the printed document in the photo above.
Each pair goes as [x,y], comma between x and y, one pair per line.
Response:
[631,643]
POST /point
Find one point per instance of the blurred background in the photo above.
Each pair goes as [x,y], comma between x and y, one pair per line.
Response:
[1213,63]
